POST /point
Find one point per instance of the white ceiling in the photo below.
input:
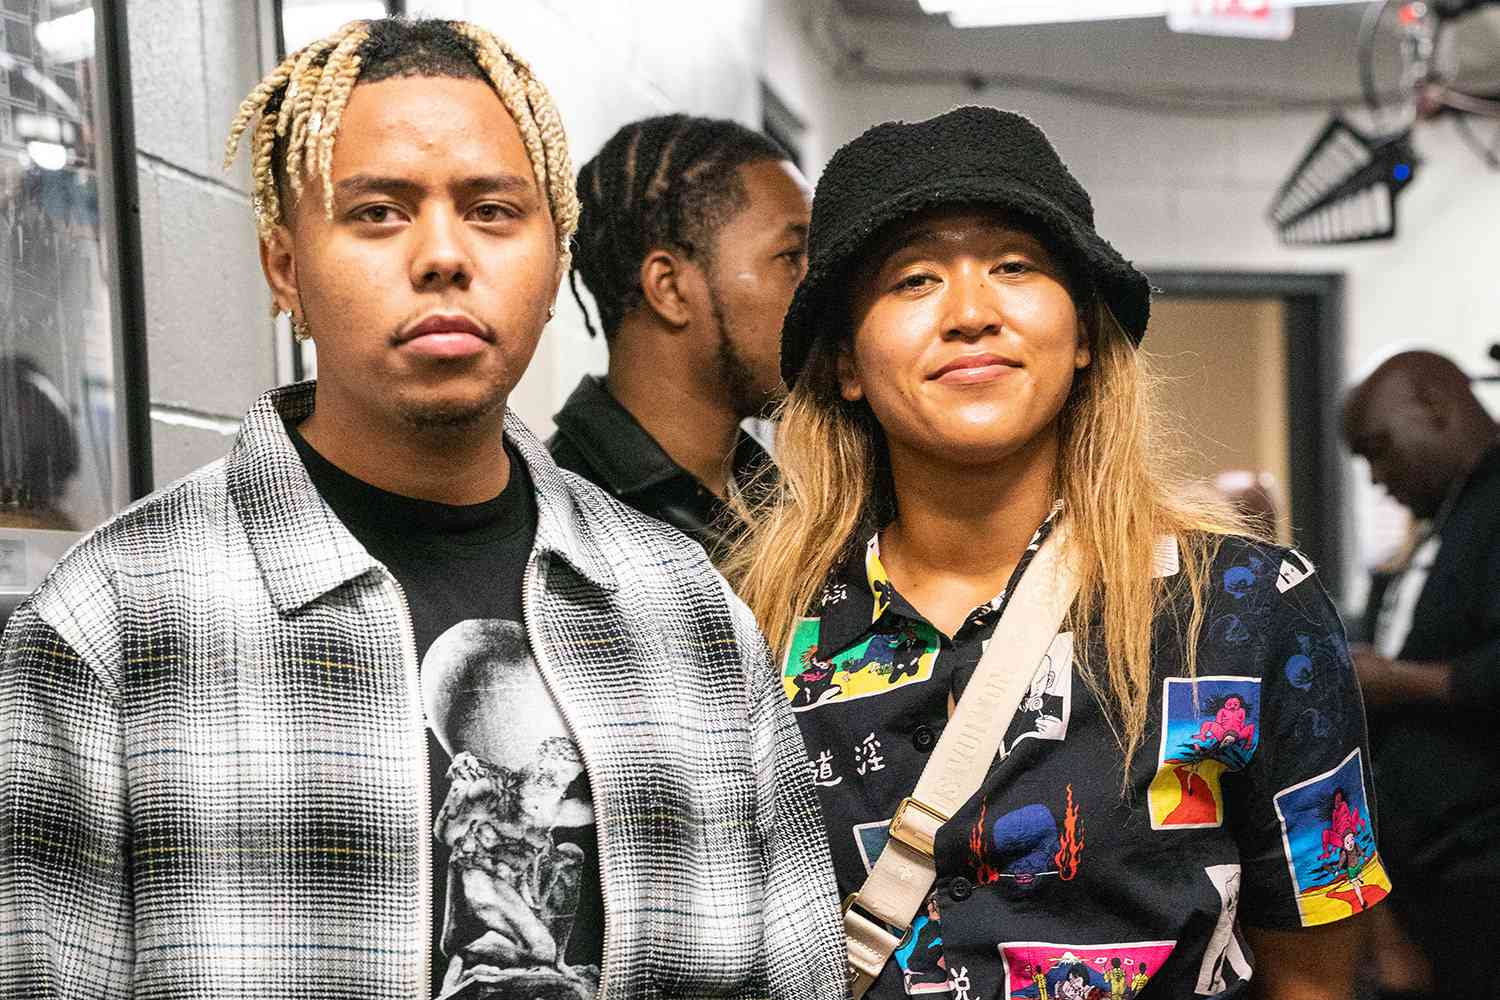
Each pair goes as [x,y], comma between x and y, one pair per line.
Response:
[1142,58]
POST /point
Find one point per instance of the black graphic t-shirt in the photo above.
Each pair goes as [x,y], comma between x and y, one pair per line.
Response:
[517,912]
[1248,804]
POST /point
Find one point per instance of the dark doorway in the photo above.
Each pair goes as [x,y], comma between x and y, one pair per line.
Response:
[1311,310]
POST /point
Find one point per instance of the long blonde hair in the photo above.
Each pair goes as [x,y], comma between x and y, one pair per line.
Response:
[1118,496]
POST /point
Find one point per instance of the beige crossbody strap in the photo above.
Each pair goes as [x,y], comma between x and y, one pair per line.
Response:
[903,875]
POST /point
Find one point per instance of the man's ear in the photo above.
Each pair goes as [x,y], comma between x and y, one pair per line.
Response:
[278,261]
[665,284]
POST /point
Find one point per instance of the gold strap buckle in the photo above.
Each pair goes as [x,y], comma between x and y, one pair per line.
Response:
[917,832]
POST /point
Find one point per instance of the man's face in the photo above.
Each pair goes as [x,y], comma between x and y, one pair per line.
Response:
[427,291]
[759,257]
[1399,435]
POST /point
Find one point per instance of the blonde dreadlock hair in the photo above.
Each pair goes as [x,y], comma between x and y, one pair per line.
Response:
[298,106]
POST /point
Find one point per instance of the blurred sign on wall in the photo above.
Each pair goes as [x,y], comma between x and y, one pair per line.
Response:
[1235,18]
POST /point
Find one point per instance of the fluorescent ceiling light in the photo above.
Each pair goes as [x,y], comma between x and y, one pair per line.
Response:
[47,155]
[1001,13]
[68,39]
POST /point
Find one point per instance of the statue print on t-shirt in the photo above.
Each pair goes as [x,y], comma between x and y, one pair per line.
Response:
[515,783]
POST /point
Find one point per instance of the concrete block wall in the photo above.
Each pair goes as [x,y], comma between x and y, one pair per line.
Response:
[210,346]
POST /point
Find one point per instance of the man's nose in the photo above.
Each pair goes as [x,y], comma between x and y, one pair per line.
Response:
[441,257]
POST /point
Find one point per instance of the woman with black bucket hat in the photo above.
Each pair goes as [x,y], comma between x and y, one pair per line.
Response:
[1074,735]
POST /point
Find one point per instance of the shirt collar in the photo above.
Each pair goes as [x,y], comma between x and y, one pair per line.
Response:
[860,594]
[303,549]
[626,456]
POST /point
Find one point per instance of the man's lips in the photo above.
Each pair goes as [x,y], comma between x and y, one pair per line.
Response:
[972,368]
[446,335]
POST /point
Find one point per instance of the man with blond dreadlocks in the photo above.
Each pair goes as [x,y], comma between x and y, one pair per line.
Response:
[383,704]
[692,239]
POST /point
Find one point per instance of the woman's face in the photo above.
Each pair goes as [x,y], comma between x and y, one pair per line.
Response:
[965,338]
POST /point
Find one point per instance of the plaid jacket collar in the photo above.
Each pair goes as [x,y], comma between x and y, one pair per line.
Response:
[280,508]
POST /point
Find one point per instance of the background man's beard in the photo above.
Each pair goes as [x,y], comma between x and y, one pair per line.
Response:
[735,375]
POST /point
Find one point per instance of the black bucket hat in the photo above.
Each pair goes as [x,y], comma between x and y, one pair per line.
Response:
[970,155]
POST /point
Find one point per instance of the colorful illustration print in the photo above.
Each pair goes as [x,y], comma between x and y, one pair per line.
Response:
[1330,846]
[1035,970]
[920,957]
[871,839]
[1025,846]
[1224,960]
[1043,714]
[1209,726]
[876,665]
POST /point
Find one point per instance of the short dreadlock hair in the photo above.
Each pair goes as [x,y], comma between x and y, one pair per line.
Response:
[300,104]
[661,183]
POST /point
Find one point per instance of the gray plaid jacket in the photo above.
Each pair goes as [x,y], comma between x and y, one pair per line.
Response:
[213,776]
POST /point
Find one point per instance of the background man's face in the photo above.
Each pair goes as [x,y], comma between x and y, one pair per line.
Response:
[427,291]
[760,255]
[1385,424]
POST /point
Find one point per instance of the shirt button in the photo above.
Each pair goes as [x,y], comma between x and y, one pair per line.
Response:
[960,889]
[923,738]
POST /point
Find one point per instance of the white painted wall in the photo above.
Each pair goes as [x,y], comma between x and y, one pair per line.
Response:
[1190,193]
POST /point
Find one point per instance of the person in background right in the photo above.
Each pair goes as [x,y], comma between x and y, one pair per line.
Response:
[1432,675]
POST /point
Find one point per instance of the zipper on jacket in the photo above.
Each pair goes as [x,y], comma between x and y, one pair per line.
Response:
[424,786]
[529,585]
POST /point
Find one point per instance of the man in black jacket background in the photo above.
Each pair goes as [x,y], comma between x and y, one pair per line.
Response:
[1431,677]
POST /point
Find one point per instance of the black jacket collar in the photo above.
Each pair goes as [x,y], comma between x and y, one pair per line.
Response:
[627,458]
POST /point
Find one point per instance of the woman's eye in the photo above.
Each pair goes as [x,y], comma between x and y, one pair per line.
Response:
[914,281]
[1014,266]
[374,213]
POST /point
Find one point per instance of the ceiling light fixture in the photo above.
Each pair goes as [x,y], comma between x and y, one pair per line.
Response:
[1010,13]
[69,38]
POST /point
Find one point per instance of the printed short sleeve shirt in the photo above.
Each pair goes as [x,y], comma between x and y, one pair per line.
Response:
[1248,804]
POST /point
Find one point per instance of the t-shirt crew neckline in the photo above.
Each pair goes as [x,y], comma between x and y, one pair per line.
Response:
[362,504]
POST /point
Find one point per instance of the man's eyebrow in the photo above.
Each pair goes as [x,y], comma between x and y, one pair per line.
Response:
[797,229]
[497,183]
[359,184]
[402,187]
